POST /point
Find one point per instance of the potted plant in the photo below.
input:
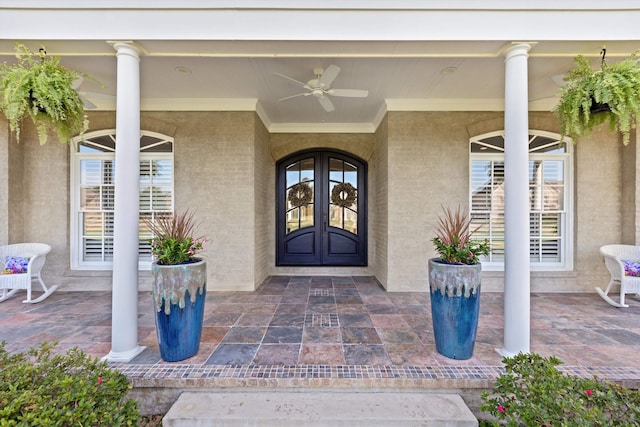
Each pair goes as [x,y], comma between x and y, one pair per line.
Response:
[179,280]
[454,284]
[591,97]
[38,87]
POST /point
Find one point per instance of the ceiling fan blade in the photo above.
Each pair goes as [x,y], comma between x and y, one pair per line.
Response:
[295,96]
[97,95]
[88,104]
[328,76]
[292,80]
[353,93]
[75,84]
[326,103]
[558,79]
[88,99]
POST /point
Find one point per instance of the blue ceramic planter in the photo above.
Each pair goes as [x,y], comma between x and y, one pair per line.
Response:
[179,293]
[455,305]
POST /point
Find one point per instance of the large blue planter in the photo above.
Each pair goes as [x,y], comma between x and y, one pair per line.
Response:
[179,293]
[455,305]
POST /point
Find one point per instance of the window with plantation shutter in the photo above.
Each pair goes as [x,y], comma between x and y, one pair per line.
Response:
[93,195]
[550,189]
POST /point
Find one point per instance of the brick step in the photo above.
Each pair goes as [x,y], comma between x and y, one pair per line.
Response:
[318,408]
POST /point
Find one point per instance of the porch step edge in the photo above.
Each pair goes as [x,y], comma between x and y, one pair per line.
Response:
[318,408]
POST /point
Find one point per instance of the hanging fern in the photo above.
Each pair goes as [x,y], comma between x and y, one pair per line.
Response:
[37,86]
[617,85]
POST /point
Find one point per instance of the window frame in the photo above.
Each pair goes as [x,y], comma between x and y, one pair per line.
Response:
[567,228]
[76,253]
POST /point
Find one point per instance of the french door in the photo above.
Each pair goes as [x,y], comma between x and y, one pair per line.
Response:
[321,210]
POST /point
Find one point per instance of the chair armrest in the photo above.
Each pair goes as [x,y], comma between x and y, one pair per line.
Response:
[36,262]
[615,266]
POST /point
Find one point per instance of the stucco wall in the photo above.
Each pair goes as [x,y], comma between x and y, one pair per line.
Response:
[264,194]
[429,167]
[214,175]
[381,207]
[39,197]
[636,189]
[4,180]
[629,177]
[11,186]
[598,205]
[225,169]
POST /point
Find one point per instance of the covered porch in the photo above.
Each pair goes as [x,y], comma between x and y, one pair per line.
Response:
[337,332]
[414,137]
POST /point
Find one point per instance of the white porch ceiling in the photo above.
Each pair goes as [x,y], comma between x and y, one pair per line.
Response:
[399,75]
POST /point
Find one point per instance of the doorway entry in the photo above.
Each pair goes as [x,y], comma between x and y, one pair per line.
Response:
[321,210]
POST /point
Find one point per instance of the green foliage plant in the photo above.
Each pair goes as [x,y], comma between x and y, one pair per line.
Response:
[617,85]
[173,242]
[454,241]
[533,392]
[41,388]
[38,87]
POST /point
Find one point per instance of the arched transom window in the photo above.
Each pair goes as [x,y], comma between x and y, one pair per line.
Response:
[93,194]
[550,201]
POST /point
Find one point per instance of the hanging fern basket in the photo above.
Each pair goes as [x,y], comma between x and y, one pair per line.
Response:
[39,88]
[598,107]
[591,97]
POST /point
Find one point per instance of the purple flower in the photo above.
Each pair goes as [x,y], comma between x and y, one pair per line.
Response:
[631,268]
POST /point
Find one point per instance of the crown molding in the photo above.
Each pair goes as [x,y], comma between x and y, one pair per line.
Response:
[445,104]
[266,121]
[495,104]
[252,104]
[322,128]
[198,104]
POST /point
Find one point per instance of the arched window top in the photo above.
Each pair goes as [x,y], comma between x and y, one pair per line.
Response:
[539,142]
[104,141]
[550,190]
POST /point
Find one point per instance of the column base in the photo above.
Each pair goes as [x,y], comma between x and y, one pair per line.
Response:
[506,353]
[124,356]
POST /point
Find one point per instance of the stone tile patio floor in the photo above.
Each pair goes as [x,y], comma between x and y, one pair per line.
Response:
[341,329]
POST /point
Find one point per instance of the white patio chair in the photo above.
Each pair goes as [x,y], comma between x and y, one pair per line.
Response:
[12,283]
[614,255]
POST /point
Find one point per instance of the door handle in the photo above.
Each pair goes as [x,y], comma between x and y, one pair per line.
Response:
[324,222]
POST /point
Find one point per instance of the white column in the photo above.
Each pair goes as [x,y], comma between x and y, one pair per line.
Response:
[124,310]
[516,203]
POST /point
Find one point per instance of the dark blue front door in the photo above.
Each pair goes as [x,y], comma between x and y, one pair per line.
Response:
[321,209]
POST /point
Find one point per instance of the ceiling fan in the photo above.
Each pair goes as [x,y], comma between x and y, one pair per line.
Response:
[84,96]
[320,87]
[558,80]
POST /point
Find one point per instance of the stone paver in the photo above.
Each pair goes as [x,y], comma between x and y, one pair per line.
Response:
[319,409]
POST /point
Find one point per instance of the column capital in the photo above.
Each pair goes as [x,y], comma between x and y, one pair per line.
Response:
[517,48]
[127,47]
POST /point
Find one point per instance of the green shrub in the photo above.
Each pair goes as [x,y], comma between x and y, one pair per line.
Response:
[40,388]
[533,392]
